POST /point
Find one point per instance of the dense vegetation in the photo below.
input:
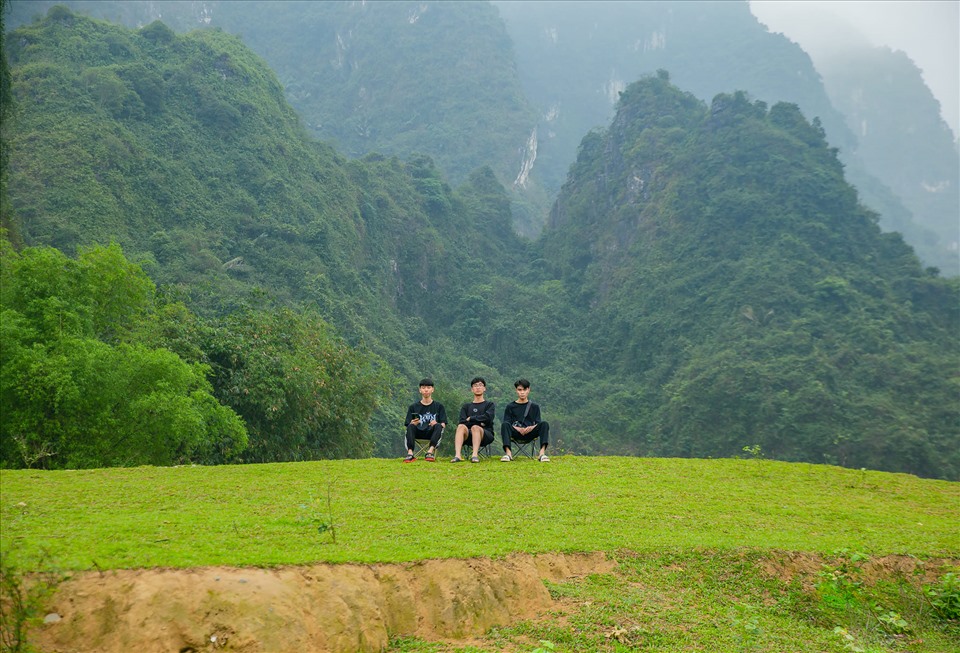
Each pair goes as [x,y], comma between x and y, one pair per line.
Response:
[573,58]
[516,85]
[708,281]
[733,277]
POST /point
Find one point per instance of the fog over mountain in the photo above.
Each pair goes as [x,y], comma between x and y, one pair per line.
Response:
[927,31]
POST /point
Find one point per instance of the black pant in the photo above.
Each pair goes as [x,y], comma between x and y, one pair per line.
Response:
[432,433]
[541,430]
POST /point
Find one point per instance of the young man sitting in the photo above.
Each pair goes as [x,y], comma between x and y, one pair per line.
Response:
[476,420]
[425,419]
[521,422]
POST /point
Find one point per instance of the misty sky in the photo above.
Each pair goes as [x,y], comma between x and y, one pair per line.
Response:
[928,31]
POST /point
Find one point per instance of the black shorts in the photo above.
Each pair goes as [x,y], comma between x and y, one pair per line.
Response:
[487,437]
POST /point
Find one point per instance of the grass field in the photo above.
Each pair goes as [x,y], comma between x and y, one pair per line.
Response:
[688,535]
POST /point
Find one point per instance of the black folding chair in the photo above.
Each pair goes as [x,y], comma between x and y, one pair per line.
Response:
[529,448]
[422,446]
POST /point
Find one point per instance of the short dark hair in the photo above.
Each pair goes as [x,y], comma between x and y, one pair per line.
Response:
[521,383]
[427,381]
[479,379]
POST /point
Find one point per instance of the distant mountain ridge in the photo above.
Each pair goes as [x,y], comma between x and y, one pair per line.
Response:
[518,94]
[901,139]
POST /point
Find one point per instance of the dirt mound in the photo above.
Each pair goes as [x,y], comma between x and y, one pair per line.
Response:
[806,567]
[321,608]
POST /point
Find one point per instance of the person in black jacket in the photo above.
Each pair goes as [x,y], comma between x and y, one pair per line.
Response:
[425,419]
[476,420]
[522,423]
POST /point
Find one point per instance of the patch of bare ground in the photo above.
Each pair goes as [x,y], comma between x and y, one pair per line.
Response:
[805,567]
[319,608]
[350,608]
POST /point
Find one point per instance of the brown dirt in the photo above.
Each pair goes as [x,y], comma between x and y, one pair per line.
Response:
[348,608]
[805,567]
[320,608]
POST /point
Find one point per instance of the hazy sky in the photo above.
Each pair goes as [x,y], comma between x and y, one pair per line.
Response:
[928,31]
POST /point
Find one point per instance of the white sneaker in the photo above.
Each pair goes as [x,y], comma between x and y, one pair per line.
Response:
[544,458]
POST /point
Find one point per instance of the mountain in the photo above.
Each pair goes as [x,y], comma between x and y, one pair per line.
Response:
[397,78]
[184,151]
[707,280]
[464,85]
[574,58]
[734,293]
[901,139]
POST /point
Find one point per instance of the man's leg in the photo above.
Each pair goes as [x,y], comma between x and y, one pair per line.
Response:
[477,435]
[505,431]
[543,430]
[410,437]
[458,438]
[435,436]
[436,432]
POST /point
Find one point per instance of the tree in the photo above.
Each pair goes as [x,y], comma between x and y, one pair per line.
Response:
[302,391]
[77,390]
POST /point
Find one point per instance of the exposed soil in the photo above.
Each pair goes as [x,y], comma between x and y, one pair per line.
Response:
[321,608]
[343,608]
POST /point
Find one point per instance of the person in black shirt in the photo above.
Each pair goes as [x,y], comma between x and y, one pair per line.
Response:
[425,419]
[476,420]
[522,423]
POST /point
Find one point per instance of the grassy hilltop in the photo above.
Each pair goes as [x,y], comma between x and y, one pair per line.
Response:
[383,511]
[714,555]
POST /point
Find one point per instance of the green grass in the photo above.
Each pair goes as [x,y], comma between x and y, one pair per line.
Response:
[716,603]
[385,511]
[690,539]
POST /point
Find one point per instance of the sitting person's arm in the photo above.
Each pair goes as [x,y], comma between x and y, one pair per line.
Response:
[533,418]
[411,416]
[486,418]
[511,417]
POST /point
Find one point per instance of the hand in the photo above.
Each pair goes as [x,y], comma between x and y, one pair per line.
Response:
[415,420]
[433,423]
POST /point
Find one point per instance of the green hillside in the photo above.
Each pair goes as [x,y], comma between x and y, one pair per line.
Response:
[516,85]
[269,514]
[735,283]
[708,281]
[712,533]
[183,151]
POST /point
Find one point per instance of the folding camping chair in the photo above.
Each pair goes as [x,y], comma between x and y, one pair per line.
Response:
[530,448]
[422,446]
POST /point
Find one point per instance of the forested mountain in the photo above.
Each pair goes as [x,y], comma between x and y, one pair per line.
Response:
[398,78]
[707,281]
[574,57]
[727,274]
[454,81]
[184,151]
[902,139]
